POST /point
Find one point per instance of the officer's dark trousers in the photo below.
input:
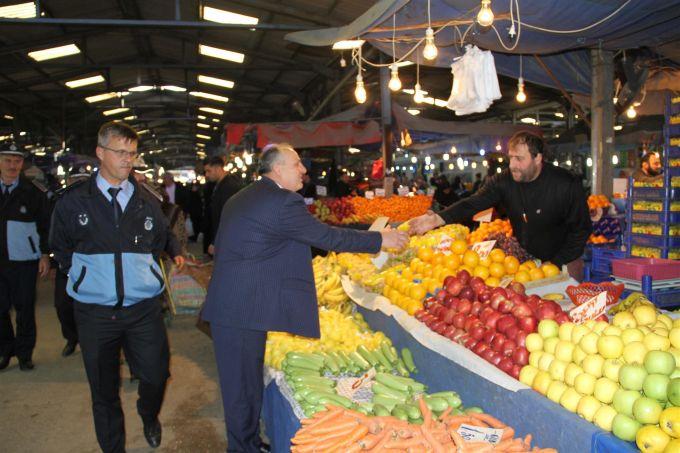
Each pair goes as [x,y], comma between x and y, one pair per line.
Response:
[64,305]
[17,289]
[240,354]
[139,330]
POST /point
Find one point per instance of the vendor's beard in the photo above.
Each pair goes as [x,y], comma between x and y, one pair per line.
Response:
[652,172]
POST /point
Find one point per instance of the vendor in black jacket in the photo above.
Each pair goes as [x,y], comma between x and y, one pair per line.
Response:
[24,223]
[546,205]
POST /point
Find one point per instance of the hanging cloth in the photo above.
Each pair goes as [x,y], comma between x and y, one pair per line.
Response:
[475,82]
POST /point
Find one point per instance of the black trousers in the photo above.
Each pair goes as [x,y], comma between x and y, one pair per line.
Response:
[17,289]
[140,332]
[64,305]
[240,355]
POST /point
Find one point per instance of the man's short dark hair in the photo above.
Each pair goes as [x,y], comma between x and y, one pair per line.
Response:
[534,142]
[116,129]
[214,161]
[646,157]
[270,155]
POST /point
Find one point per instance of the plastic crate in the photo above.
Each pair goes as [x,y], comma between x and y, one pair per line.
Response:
[650,252]
[673,151]
[649,193]
[597,277]
[647,240]
[603,256]
[673,130]
[636,268]
[674,242]
[649,216]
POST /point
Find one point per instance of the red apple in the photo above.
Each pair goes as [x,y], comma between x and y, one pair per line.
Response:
[469,342]
[463,276]
[509,347]
[496,358]
[484,314]
[476,308]
[517,287]
[488,336]
[458,334]
[459,320]
[492,320]
[467,293]
[449,332]
[528,324]
[521,310]
[477,332]
[511,332]
[454,287]
[488,354]
[546,311]
[561,318]
[515,371]
[602,317]
[498,342]
[520,356]
[448,316]
[441,295]
[484,295]
[505,306]
[521,338]
[506,365]
[479,348]
[469,322]
[505,322]
[448,280]
[464,306]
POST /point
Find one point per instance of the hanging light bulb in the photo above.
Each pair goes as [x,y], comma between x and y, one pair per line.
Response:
[454,150]
[395,82]
[445,156]
[485,15]
[359,90]
[631,112]
[521,95]
[498,146]
[343,62]
[615,159]
[485,163]
[589,162]
[428,159]
[418,96]
[430,50]
[482,152]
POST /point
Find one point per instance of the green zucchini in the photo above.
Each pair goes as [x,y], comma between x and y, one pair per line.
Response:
[408,360]
[359,361]
[381,389]
[380,410]
[399,412]
[435,403]
[392,382]
[368,355]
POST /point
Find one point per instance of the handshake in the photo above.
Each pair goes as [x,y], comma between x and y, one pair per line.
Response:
[397,239]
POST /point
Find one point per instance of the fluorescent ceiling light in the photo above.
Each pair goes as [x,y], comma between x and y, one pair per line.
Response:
[145,131]
[200,145]
[211,110]
[402,64]
[204,137]
[222,54]
[203,125]
[115,111]
[8,117]
[105,96]
[54,52]
[140,88]
[201,117]
[528,120]
[173,88]
[18,11]
[413,111]
[618,127]
[215,120]
[559,114]
[440,102]
[84,81]
[215,81]
[227,17]
[348,44]
[130,118]
[352,150]
[214,97]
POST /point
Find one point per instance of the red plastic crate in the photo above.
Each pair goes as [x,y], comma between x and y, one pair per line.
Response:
[585,291]
[635,268]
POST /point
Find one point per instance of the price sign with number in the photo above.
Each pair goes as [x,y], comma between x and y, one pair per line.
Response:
[595,307]
[369,194]
[483,248]
[483,216]
[505,281]
[403,191]
[379,192]
[478,434]
[444,245]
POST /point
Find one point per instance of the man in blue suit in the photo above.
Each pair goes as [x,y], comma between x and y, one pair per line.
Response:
[263,281]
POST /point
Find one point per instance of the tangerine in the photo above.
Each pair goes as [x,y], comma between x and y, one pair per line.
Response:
[486,261]
[492,282]
[497,270]
[458,247]
[481,272]
[536,274]
[452,262]
[417,292]
[550,270]
[471,259]
[497,255]
[438,259]
[522,276]
[511,264]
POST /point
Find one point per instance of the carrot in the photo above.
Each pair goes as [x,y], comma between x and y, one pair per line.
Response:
[417,449]
[527,441]
[488,419]
[445,414]
[371,440]
[457,439]
[404,444]
[331,414]
[508,433]
[358,434]
[436,446]
[477,447]
[425,411]
[379,446]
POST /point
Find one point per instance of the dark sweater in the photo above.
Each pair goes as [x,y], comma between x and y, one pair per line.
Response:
[557,222]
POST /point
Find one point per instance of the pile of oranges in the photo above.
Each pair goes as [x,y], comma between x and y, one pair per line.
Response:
[487,229]
[599,239]
[598,201]
[398,209]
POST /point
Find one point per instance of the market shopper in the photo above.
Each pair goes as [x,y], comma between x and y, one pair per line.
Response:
[108,232]
[650,168]
[546,205]
[263,281]
[225,187]
[24,223]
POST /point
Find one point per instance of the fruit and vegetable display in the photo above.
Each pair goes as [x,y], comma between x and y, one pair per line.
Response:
[348,210]
[646,205]
[510,246]
[494,323]
[648,183]
[598,201]
[645,252]
[607,226]
[623,376]
[329,292]
[674,162]
[490,228]
[333,210]
[599,239]
[646,228]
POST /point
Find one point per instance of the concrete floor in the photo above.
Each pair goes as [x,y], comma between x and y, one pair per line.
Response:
[49,410]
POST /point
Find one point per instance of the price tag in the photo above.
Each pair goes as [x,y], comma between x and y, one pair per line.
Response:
[379,192]
[365,380]
[483,216]
[483,248]
[444,245]
[478,434]
[505,281]
[321,191]
[369,194]
[379,224]
[309,201]
[595,307]
[403,191]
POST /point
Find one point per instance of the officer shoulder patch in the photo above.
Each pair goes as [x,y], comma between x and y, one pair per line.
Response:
[39,185]
[152,191]
[78,182]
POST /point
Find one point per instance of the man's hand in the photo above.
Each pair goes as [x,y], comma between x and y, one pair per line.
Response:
[211,250]
[425,223]
[394,239]
[179,262]
[44,266]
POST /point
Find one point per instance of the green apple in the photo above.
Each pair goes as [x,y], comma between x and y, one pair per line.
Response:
[550,344]
[590,324]
[589,342]
[611,369]
[587,407]
[673,391]
[661,362]
[612,330]
[555,391]
[676,355]
[624,399]
[604,417]
[545,361]
[610,346]
[578,355]
[656,387]
[624,320]
[662,332]
[570,399]
[571,373]
[578,332]
[534,342]
[548,328]
[565,331]
[675,373]
[557,369]
[674,336]
[564,350]
[600,326]
[632,376]
[625,427]
[647,411]
[634,352]
[527,375]
[541,382]
[593,364]
[605,389]
[585,384]
[632,334]
[535,356]
[656,342]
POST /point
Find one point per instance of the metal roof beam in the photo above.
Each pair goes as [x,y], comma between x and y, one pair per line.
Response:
[148,23]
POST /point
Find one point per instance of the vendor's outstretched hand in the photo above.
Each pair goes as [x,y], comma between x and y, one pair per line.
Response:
[424,223]
[393,239]
[179,262]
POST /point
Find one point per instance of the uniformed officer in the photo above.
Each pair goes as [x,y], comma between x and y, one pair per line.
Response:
[24,223]
[109,232]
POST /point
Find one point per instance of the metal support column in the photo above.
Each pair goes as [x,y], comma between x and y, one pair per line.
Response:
[602,119]
[386,121]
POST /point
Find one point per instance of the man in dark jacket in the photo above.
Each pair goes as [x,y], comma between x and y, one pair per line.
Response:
[546,205]
[24,224]
[226,185]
